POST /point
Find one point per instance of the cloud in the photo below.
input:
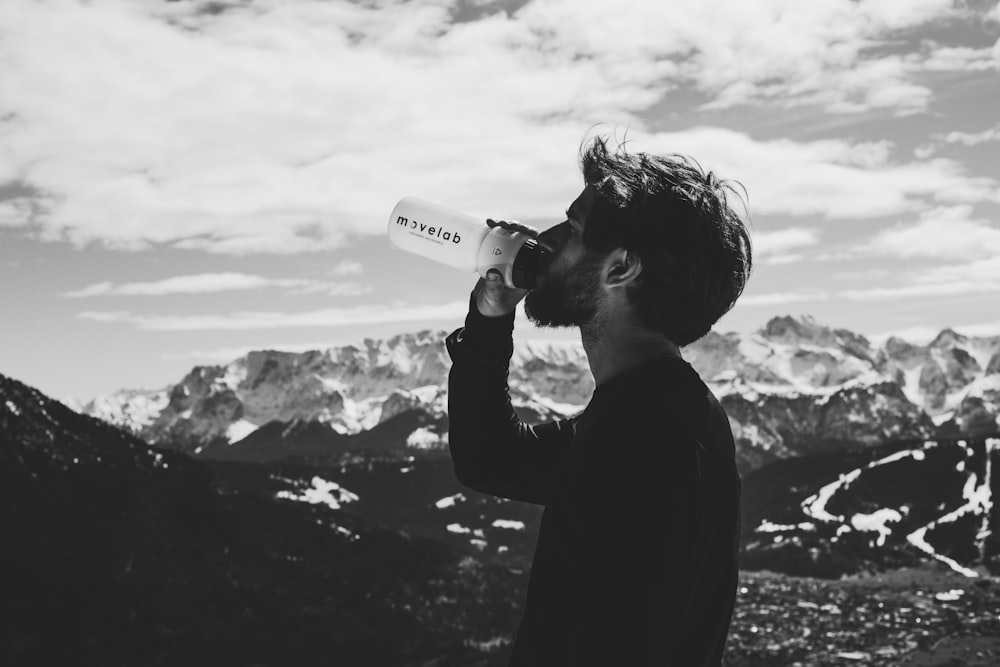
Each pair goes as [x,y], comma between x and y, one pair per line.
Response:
[20,210]
[774,246]
[293,126]
[202,283]
[919,290]
[866,275]
[972,277]
[972,138]
[942,233]
[960,255]
[981,271]
[779,298]
[832,178]
[959,59]
[334,288]
[347,267]
[778,51]
[327,318]
[205,283]
[958,137]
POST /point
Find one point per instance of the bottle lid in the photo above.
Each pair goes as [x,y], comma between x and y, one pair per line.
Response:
[527,264]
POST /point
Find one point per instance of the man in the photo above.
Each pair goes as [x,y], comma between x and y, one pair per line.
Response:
[636,560]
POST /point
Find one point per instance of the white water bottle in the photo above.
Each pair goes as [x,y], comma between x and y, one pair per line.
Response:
[465,242]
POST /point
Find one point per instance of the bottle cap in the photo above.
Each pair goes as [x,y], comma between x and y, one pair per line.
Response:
[528,264]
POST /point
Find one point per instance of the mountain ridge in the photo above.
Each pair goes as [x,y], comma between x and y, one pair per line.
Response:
[794,385]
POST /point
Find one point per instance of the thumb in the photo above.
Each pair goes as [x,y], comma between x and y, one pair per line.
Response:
[495,286]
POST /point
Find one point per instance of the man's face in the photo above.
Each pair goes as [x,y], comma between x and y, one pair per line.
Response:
[568,288]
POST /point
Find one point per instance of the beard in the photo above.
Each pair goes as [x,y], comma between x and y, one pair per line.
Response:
[567,299]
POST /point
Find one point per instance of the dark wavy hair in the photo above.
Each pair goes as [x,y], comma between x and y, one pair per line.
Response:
[694,248]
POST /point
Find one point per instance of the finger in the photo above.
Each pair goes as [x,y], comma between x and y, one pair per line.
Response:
[524,229]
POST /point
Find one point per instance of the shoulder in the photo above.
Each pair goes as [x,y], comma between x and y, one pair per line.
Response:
[664,392]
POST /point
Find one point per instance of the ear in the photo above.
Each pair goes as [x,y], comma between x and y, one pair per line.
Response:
[622,268]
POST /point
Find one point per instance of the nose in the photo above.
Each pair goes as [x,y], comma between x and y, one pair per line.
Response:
[552,237]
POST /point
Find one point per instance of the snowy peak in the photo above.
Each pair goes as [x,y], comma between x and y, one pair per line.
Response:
[805,330]
[942,375]
[948,338]
[811,360]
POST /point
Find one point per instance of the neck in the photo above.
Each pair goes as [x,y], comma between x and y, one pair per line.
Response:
[614,347]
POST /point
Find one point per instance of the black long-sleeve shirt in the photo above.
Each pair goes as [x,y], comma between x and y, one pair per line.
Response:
[636,559]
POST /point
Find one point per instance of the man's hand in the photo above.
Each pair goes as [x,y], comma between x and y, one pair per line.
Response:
[493,298]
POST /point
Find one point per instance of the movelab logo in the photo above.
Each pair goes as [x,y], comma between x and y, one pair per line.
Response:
[429,232]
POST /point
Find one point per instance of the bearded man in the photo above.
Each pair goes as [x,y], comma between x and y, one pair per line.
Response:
[636,559]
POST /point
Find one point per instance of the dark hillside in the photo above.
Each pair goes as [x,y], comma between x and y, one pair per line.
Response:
[119,554]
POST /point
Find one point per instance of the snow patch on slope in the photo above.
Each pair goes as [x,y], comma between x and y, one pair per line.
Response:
[239,430]
[322,492]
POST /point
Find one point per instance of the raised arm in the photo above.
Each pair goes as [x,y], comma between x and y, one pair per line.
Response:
[493,451]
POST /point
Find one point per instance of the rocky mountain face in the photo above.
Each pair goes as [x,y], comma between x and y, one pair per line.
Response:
[954,378]
[795,386]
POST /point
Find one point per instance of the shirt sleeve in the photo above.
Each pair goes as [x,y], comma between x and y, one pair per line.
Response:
[493,451]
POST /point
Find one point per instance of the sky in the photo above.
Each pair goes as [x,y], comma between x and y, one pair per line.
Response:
[182,182]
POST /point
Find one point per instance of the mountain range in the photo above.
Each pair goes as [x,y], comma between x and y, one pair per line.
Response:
[820,416]
[793,387]
[302,508]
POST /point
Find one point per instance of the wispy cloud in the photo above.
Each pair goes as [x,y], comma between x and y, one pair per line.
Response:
[957,256]
[921,290]
[205,283]
[334,288]
[972,277]
[961,58]
[347,267]
[290,126]
[780,298]
[327,318]
[942,233]
[829,178]
[774,247]
[958,137]
[985,270]
[973,138]
[201,283]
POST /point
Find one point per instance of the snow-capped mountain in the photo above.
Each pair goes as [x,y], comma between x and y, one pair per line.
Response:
[351,388]
[954,378]
[793,386]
